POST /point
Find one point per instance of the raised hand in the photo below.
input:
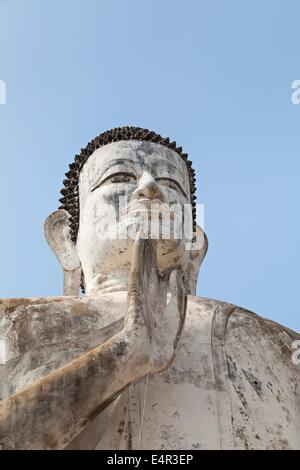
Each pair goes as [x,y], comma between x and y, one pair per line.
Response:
[151,321]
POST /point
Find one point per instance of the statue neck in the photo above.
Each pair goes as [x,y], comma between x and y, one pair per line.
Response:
[103,283]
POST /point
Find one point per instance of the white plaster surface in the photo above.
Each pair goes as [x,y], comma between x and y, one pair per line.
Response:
[231,385]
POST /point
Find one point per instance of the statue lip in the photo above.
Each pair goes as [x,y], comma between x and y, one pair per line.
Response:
[145,204]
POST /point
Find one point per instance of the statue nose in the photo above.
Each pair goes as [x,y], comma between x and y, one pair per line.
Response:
[147,188]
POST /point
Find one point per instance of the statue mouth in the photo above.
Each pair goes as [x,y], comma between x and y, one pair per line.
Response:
[149,206]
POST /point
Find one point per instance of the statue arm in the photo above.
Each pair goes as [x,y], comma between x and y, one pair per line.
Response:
[52,411]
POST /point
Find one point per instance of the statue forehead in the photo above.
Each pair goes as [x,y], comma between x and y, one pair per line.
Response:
[142,155]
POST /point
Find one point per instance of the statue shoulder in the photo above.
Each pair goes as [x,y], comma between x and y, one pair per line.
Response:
[105,306]
[226,317]
[14,304]
[251,348]
[38,335]
[254,372]
[36,321]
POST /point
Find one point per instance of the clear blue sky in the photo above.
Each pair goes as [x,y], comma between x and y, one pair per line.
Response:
[214,75]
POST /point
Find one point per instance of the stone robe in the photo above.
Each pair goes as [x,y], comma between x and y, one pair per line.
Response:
[232,385]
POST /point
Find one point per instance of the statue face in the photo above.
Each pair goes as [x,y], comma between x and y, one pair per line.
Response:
[140,173]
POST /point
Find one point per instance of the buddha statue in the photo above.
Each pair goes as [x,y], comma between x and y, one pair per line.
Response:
[139,361]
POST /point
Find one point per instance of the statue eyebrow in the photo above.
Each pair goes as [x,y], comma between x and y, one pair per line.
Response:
[170,167]
[116,161]
[173,181]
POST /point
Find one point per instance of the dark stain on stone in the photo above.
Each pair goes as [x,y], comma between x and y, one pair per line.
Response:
[244,414]
[120,348]
[255,383]
[287,414]
[232,369]
[121,427]
[240,433]
[240,395]
[270,387]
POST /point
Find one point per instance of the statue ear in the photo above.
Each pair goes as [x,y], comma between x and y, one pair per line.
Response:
[197,252]
[57,233]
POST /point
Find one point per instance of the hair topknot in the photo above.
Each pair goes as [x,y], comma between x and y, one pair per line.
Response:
[70,192]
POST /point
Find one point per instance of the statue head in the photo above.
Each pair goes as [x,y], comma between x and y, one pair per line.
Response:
[124,180]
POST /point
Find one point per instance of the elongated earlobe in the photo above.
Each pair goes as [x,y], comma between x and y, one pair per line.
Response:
[57,233]
[197,251]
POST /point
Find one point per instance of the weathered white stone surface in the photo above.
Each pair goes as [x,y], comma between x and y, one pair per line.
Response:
[232,384]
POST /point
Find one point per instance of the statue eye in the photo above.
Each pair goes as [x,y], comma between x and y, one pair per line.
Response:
[170,183]
[121,177]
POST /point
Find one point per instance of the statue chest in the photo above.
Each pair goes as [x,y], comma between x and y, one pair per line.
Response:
[176,409]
